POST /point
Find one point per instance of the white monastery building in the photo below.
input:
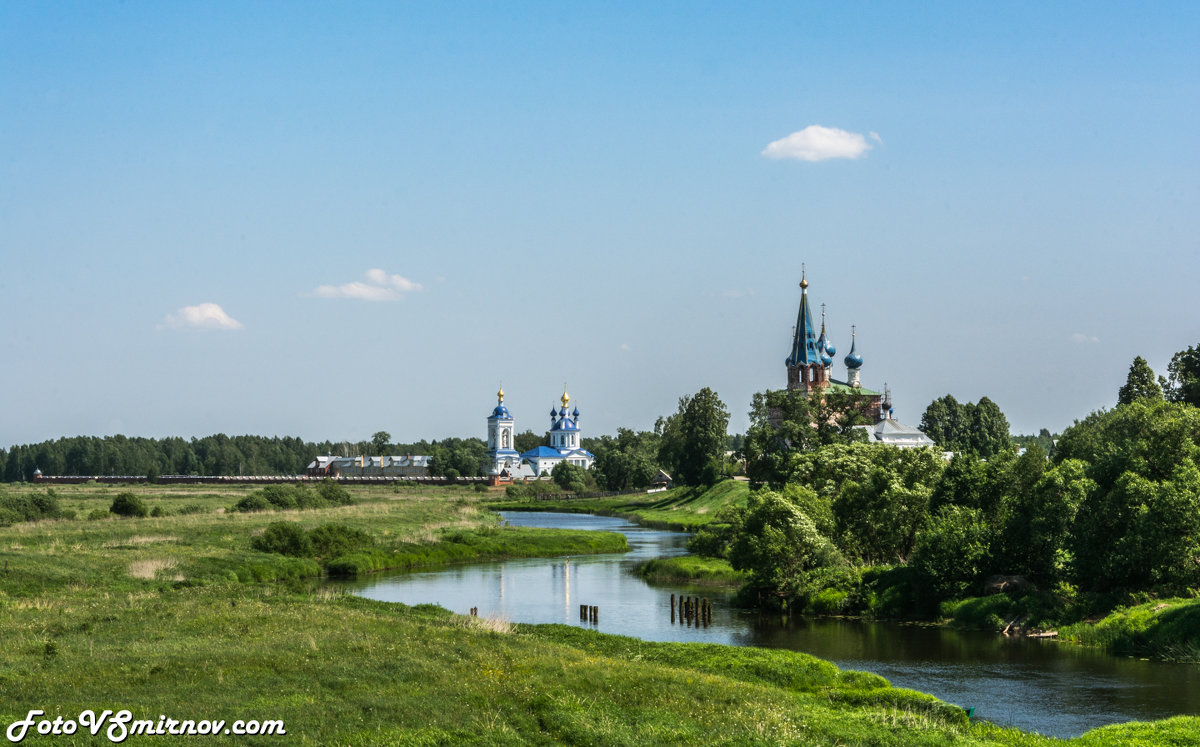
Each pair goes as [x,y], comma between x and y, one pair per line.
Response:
[564,442]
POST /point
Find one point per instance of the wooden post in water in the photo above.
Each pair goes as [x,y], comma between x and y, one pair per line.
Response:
[595,614]
[672,602]
[583,612]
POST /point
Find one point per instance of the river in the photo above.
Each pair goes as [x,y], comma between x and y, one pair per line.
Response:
[1039,686]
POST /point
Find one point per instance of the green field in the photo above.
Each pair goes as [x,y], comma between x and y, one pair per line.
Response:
[143,614]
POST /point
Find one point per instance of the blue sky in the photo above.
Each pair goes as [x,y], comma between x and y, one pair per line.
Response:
[327,219]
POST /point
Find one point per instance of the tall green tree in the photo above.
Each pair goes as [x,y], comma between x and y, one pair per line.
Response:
[957,426]
[943,422]
[1183,377]
[1138,528]
[696,437]
[780,424]
[1139,383]
[380,442]
[627,461]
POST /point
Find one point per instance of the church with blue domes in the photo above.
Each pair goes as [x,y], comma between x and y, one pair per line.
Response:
[565,445]
[810,363]
[810,371]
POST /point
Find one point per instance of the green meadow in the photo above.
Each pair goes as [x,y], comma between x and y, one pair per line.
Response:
[159,616]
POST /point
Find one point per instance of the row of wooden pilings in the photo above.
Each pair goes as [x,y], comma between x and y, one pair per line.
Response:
[589,613]
[692,610]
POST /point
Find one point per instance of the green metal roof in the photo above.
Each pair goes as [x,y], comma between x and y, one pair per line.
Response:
[841,386]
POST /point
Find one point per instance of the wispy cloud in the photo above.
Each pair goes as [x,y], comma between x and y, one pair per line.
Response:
[1081,337]
[624,347]
[200,316]
[817,143]
[378,286]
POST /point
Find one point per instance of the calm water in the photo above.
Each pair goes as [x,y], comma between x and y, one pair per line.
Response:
[1040,686]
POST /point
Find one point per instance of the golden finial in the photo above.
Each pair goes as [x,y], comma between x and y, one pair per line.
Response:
[566,398]
[500,394]
[803,279]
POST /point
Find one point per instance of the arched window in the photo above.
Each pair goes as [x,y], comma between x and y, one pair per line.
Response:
[504,439]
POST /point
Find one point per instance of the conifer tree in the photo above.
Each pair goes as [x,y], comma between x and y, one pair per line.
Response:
[1139,383]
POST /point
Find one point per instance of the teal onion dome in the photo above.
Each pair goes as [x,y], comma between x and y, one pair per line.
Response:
[853,360]
[829,348]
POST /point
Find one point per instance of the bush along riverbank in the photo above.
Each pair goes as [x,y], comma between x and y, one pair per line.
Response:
[693,570]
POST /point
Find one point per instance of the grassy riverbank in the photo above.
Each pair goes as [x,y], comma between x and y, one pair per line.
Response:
[144,614]
[684,509]
[692,569]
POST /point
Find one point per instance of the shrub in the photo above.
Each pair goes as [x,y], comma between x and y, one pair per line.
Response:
[253,502]
[335,493]
[192,508]
[285,538]
[158,511]
[332,540]
[128,504]
[99,513]
[279,496]
[17,508]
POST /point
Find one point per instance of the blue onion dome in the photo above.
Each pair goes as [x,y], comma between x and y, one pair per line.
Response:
[575,412]
[853,359]
[829,348]
[500,412]
[553,412]
[826,360]
[562,411]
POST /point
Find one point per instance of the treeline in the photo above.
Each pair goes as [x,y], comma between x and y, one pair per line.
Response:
[860,528]
[211,455]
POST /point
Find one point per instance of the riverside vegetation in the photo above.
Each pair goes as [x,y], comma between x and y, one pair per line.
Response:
[155,614]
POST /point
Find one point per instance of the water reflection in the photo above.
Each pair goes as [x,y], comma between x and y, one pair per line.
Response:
[1036,685]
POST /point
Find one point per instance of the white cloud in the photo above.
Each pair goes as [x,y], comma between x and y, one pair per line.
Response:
[1081,337]
[200,316]
[379,286]
[624,346]
[817,143]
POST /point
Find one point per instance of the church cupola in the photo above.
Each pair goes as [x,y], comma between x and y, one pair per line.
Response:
[564,429]
[853,361]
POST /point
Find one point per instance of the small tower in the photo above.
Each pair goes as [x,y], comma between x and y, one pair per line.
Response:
[500,438]
[853,361]
[806,367]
